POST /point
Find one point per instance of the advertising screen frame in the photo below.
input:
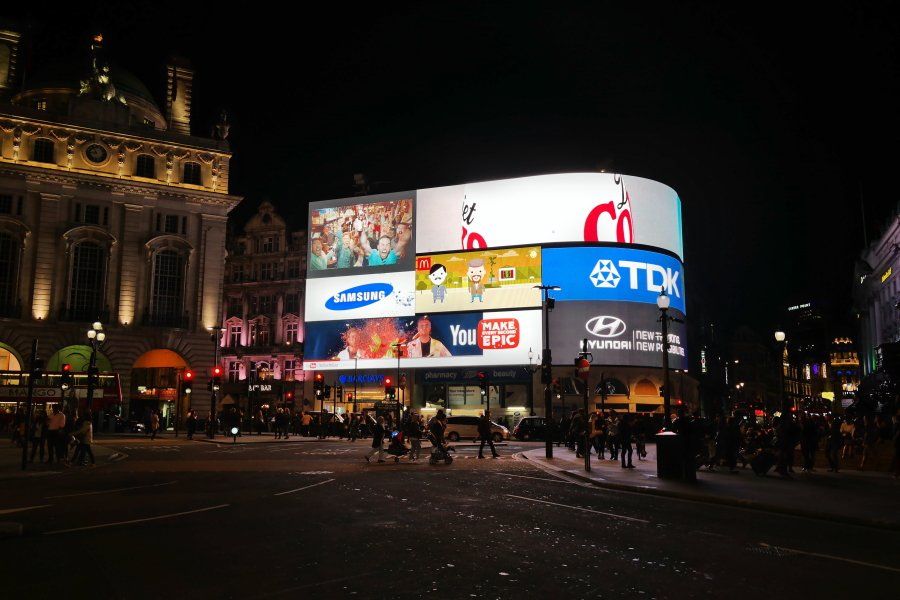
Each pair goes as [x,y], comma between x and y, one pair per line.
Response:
[397,301]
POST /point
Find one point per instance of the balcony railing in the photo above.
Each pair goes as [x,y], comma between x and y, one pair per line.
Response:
[166,320]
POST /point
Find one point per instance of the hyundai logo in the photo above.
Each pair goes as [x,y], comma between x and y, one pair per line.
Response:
[359,296]
[605,326]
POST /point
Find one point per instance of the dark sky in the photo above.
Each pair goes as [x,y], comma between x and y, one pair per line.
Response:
[767,123]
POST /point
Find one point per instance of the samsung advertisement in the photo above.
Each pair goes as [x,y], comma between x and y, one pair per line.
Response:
[438,340]
[615,274]
[617,333]
[360,297]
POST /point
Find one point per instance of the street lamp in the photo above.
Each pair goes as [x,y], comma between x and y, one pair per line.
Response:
[532,368]
[547,305]
[780,338]
[97,336]
[662,301]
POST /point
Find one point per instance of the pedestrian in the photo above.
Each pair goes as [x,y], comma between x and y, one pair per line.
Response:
[154,424]
[305,422]
[56,441]
[38,435]
[191,424]
[354,427]
[869,439]
[731,443]
[783,445]
[597,437]
[613,436]
[279,423]
[260,422]
[625,433]
[834,439]
[85,437]
[847,435]
[377,439]
[809,442]
[416,427]
[485,432]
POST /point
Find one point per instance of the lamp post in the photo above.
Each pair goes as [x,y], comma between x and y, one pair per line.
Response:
[583,370]
[780,338]
[97,336]
[355,381]
[214,337]
[547,305]
[532,368]
[662,301]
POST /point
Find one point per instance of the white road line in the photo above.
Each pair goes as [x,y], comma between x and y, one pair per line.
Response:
[116,524]
[9,511]
[829,556]
[304,488]
[137,487]
[596,512]
[538,478]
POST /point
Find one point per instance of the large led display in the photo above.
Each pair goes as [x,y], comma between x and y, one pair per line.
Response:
[479,279]
[375,234]
[360,297]
[618,334]
[569,207]
[614,273]
[438,340]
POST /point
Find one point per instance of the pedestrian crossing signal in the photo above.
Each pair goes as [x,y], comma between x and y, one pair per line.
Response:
[388,387]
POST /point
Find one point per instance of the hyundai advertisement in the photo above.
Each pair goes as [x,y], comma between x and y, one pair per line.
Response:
[615,273]
[481,280]
[458,339]
[617,333]
[360,297]
[567,207]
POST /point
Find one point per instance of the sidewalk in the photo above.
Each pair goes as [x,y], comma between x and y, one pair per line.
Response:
[269,438]
[11,462]
[863,498]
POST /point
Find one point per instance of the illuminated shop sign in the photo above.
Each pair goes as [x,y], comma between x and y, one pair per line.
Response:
[482,279]
[360,296]
[438,340]
[617,333]
[361,378]
[568,207]
[614,273]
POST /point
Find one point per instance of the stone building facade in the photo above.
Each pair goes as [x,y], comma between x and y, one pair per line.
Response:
[110,210]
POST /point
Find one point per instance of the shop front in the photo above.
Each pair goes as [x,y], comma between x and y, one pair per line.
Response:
[510,392]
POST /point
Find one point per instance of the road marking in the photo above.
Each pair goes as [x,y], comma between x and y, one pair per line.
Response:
[137,487]
[538,478]
[9,511]
[116,524]
[596,512]
[829,556]
[304,488]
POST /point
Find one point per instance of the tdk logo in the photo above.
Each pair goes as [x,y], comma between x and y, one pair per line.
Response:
[359,296]
[656,278]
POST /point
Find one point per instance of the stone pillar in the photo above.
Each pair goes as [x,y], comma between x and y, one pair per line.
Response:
[130,260]
[45,257]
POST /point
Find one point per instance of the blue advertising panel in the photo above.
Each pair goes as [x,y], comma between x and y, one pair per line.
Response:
[614,273]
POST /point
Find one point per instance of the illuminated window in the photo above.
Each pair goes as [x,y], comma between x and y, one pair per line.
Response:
[41,104]
[291,331]
[234,371]
[290,367]
[43,151]
[234,336]
[168,287]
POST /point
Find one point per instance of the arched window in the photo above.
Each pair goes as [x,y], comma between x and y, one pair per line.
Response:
[146,166]
[9,274]
[191,173]
[167,300]
[86,282]
[43,151]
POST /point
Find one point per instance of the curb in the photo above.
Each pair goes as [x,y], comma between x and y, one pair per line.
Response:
[720,500]
[225,440]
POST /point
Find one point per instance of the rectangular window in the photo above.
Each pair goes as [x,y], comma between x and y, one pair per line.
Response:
[146,166]
[5,204]
[234,372]
[92,214]
[19,206]
[78,213]
[293,269]
[291,303]
[183,225]
[237,273]
[191,173]
[106,215]
[41,105]
[268,244]
[265,304]
[234,336]
[171,224]
[290,367]
[235,307]
[291,332]
[266,272]
[43,151]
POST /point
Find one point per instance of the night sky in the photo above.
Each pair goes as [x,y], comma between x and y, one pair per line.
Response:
[768,123]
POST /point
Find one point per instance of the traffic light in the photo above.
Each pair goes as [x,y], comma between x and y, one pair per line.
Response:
[319,384]
[289,396]
[216,381]
[483,383]
[65,382]
[389,387]
[547,368]
[339,392]
[187,382]
[327,391]
[557,389]
[349,396]
[403,381]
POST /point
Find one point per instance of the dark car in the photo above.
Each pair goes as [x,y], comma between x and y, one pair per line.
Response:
[531,428]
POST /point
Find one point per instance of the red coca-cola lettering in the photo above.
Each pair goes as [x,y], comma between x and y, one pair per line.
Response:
[592,223]
[472,241]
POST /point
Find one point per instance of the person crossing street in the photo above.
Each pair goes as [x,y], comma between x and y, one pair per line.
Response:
[486,434]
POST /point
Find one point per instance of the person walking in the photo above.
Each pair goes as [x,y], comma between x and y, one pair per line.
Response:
[377,440]
[416,427]
[354,427]
[56,440]
[625,433]
[85,437]
[485,432]
[613,436]
[809,442]
[154,424]
[869,439]
[279,423]
[305,423]
[38,435]
[834,439]
[191,424]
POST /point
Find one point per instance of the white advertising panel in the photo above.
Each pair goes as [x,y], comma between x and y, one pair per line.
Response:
[438,340]
[360,296]
[570,207]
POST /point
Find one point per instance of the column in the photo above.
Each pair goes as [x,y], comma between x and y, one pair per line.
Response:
[45,257]
[130,261]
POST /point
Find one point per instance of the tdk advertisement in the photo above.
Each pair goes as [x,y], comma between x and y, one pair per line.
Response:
[613,273]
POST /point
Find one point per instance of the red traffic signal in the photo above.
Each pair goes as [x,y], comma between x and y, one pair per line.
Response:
[387,381]
[289,395]
[188,375]
[66,367]
[319,377]
[217,371]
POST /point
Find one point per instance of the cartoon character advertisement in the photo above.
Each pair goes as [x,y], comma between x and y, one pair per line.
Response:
[458,339]
[479,280]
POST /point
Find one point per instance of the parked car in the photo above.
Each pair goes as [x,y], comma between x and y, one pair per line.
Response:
[531,428]
[467,428]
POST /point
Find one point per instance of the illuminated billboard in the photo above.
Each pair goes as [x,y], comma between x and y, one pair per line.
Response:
[568,207]
[479,279]
[618,334]
[436,340]
[360,297]
[617,273]
[374,234]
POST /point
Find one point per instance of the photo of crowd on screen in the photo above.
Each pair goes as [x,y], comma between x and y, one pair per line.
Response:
[373,234]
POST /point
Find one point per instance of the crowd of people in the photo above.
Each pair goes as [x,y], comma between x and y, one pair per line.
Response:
[63,437]
[364,235]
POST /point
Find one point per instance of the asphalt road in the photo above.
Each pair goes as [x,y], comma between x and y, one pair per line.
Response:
[314,520]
